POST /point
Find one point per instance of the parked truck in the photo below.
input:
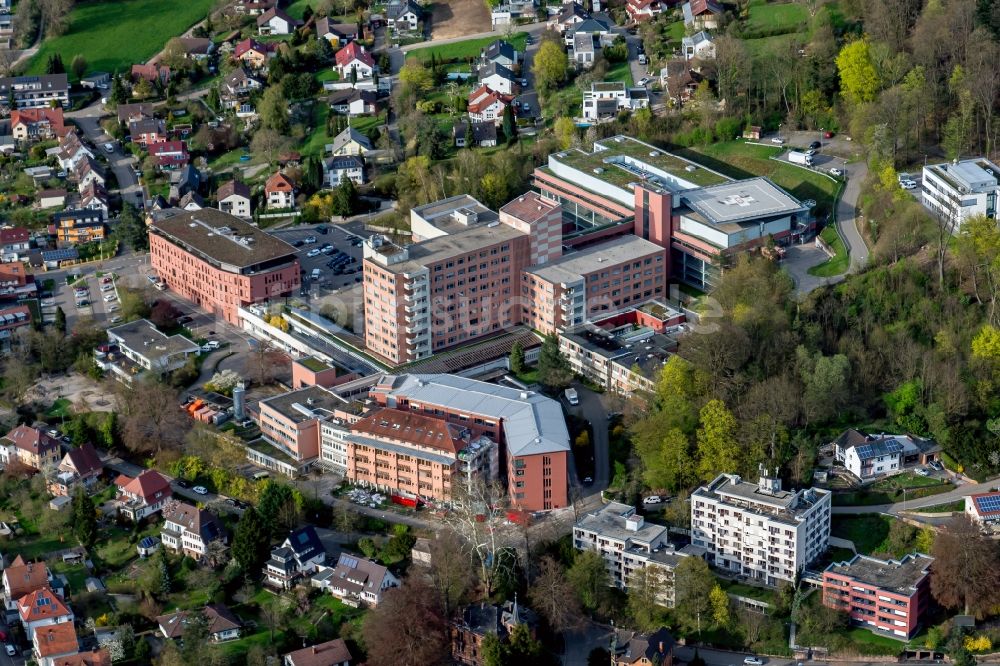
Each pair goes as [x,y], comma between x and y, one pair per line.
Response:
[798,157]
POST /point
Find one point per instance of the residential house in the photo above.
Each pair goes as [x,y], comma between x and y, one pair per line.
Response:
[77,226]
[51,198]
[276,22]
[36,91]
[168,154]
[702,14]
[583,51]
[358,580]
[127,113]
[630,648]
[30,446]
[187,179]
[98,657]
[234,198]
[154,73]
[189,530]
[253,53]
[598,31]
[21,578]
[252,7]
[52,643]
[94,197]
[486,104]
[338,168]
[297,556]
[605,99]
[140,347]
[279,192]
[16,282]
[883,596]
[88,171]
[353,57]
[191,201]
[501,52]
[145,131]
[353,102]
[569,15]
[97,80]
[12,317]
[955,191]
[497,77]
[330,653]
[142,496]
[983,508]
[240,83]
[80,467]
[643,10]
[14,243]
[404,15]
[509,12]
[679,81]
[42,608]
[71,151]
[197,48]
[37,124]
[338,34]
[483,134]
[351,142]
[223,624]
[477,621]
[872,455]
[699,46]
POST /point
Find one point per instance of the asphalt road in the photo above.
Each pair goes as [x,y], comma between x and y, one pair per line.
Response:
[122,164]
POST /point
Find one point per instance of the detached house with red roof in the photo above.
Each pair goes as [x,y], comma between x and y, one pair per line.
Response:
[487,104]
[100,657]
[14,243]
[702,14]
[50,644]
[42,608]
[331,653]
[22,578]
[253,53]
[354,57]
[37,124]
[279,191]
[168,154]
[142,496]
[31,447]
[152,73]
[79,467]
[643,10]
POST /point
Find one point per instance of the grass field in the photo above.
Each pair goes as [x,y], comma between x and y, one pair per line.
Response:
[60,408]
[836,264]
[741,160]
[460,51]
[869,531]
[114,35]
[620,72]
[771,17]
[956,506]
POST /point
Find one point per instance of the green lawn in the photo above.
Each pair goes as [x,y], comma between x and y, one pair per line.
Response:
[620,72]
[906,480]
[869,532]
[770,17]
[738,159]
[836,264]
[231,158]
[76,574]
[327,74]
[59,409]
[781,44]
[957,506]
[880,644]
[463,50]
[113,35]
[749,591]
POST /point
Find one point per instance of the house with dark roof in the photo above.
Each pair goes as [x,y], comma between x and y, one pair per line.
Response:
[477,621]
[223,624]
[233,197]
[501,52]
[130,112]
[356,580]
[189,530]
[331,653]
[80,225]
[338,34]
[276,21]
[497,77]
[337,169]
[145,131]
[81,466]
[630,648]
[569,15]
[868,456]
[404,15]
[297,556]
[353,102]
[351,142]
[142,496]
[483,134]
[238,84]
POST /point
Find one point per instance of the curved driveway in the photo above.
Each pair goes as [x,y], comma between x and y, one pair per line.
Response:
[847,216]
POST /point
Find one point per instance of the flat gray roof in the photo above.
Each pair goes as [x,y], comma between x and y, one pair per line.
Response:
[899,576]
[571,267]
[468,239]
[305,403]
[753,198]
[222,238]
[433,211]
[610,520]
[143,338]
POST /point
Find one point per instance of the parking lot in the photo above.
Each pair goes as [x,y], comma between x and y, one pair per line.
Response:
[93,295]
[336,254]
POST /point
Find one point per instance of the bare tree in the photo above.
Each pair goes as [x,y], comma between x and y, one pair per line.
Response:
[263,362]
[965,573]
[418,639]
[449,574]
[7,59]
[147,420]
[478,516]
[18,377]
[553,597]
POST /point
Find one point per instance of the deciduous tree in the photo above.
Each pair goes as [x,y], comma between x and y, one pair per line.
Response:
[965,574]
[549,66]
[420,639]
[718,448]
[552,595]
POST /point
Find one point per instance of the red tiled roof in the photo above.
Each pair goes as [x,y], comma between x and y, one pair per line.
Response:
[352,52]
[42,604]
[84,460]
[14,235]
[324,654]
[279,182]
[248,45]
[146,485]
[151,72]
[411,427]
[699,7]
[31,116]
[94,658]
[56,639]
[24,578]
[31,439]
[485,97]
[13,272]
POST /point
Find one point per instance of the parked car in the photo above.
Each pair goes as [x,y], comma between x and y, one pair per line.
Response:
[107,287]
[201,490]
[836,172]
[778,140]
[908,184]
[921,471]
[114,307]
[181,483]
[109,148]
[310,240]
[652,499]
[753,661]
[587,480]
[185,319]
[811,152]
[322,229]
[313,253]
[109,298]
[572,397]
[9,649]
[815,145]
[827,135]
[936,464]
[644,80]
[116,319]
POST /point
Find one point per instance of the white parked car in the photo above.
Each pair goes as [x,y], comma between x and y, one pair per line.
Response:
[114,307]
[778,140]
[116,319]
[109,147]
[652,499]
[836,172]
[109,298]
[310,239]
[9,649]
[908,184]
[753,661]
[643,81]
[313,253]
[572,397]
[107,287]
[201,490]
[921,471]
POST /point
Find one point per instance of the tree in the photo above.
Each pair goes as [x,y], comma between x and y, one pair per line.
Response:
[965,574]
[554,370]
[449,574]
[859,79]
[60,320]
[345,198]
[421,639]
[509,126]
[264,361]
[251,542]
[164,314]
[720,606]
[718,448]
[84,518]
[549,66]
[280,507]
[269,143]
[18,375]
[478,518]
[693,584]
[589,578]
[552,595]
[142,89]
[565,131]
[132,230]
[273,110]
[645,587]
[416,76]
[517,358]
[665,454]
[119,94]
[55,65]
[79,66]
[274,612]
[145,426]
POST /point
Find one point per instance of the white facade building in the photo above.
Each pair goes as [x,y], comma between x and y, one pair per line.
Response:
[333,446]
[605,99]
[627,544]
[759,530]
[956,191]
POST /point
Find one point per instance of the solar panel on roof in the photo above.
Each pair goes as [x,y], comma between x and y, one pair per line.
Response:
[988,504]
[349,561]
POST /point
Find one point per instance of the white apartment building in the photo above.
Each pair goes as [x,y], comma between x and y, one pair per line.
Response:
[606,98]
[759,530]
[628,543]
[957,190]
[333,446]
